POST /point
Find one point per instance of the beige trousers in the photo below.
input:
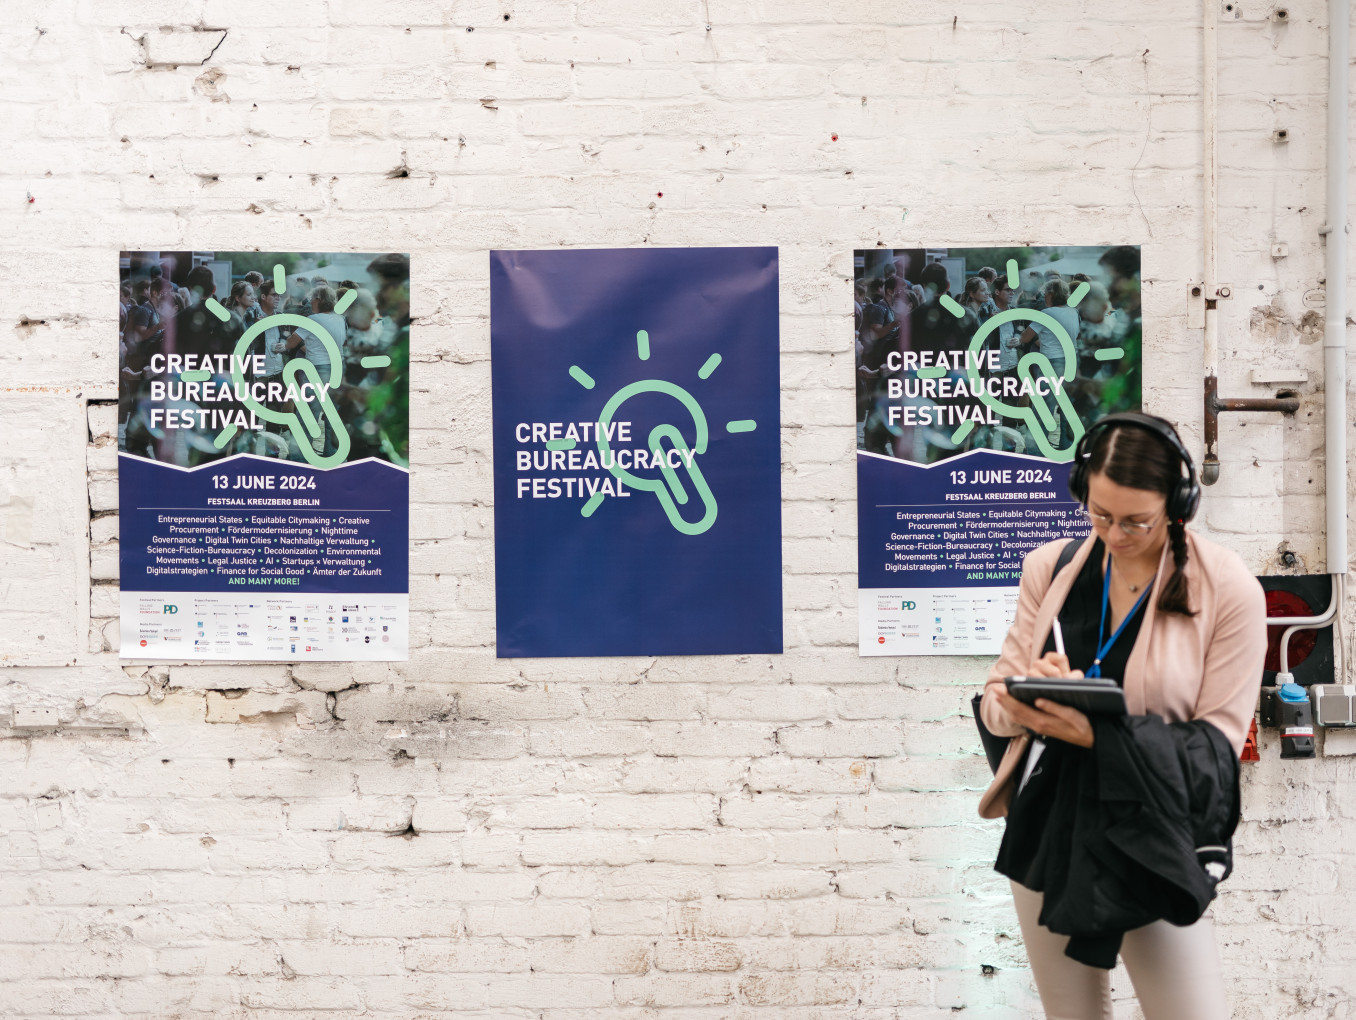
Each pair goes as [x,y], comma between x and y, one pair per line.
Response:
[1176,971]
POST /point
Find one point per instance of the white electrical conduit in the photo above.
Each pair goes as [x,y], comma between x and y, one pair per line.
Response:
[1332,617]
[1335,290]
[1294,623]
[1335,313]
[1334,344]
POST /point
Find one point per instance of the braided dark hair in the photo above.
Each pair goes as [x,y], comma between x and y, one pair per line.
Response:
[1175,598]
[1140,459]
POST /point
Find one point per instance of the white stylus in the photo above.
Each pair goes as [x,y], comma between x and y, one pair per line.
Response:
[1059,637]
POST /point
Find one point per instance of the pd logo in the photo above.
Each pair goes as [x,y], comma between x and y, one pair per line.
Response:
[169,610]
[908,605]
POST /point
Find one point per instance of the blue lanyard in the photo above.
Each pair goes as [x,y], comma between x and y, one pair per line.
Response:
[1096,668]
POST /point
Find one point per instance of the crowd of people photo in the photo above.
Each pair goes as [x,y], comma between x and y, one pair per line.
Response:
[937,300]
[171,304]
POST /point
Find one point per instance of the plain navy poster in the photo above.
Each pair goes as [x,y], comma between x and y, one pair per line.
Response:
[625,580]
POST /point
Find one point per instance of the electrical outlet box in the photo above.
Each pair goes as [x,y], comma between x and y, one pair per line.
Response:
[1334,704]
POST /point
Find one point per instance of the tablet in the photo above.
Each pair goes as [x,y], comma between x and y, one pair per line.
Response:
[1090,695]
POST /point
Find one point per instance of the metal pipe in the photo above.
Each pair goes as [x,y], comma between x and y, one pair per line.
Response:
[1209,215]
[1335,290]
[1214,404]
[1286,405]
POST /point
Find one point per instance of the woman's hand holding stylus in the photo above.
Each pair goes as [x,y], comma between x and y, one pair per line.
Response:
[1049,719]
[1052,664]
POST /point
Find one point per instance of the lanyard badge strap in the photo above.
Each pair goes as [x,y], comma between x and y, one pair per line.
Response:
[1095,670]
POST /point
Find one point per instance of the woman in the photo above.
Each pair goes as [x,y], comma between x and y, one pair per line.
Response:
[1042,337]
[1179,622]
[1099,326]
[322,301]
[1008,337]
[976,298]
[1051,345]
[166,308]
[365,337]
[902,301]
[241,304]
[273,342]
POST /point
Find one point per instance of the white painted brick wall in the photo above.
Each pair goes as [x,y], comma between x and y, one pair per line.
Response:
[789,836]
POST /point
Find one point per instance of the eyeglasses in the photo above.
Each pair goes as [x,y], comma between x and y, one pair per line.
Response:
[1134,529]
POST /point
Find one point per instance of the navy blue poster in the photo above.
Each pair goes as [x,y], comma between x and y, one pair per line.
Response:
[263,456]
[636,451]
[977,372]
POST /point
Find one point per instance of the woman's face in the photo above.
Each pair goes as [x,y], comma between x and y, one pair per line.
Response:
[1122,503]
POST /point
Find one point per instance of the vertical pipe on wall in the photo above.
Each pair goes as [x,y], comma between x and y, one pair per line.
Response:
[1334,338]
[1335,290]
[1209,217]
[1209,91]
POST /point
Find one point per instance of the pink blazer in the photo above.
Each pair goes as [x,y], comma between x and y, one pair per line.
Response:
[1207,666]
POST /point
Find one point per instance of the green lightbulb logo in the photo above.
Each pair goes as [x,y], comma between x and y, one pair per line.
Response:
[1039,418]
[306,427]
[663,440]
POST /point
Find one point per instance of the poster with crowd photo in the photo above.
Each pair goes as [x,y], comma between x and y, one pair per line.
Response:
[977,370]
[637,488]
[263,455]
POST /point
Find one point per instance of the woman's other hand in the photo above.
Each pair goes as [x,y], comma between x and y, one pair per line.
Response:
[1048,718]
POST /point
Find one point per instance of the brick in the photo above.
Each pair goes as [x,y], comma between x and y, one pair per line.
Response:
[865,740]
[618,917]
[509,920]
[674,990]
[473,955]
[596,955]
[304,708]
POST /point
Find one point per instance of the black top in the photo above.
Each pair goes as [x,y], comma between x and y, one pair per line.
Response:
[1022,853]
[1081,615]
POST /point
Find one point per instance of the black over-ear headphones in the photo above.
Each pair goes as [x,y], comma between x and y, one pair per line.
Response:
[1186,494]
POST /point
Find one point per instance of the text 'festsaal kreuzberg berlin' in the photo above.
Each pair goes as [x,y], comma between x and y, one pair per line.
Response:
[211,391]
[949,388]
[580,470]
